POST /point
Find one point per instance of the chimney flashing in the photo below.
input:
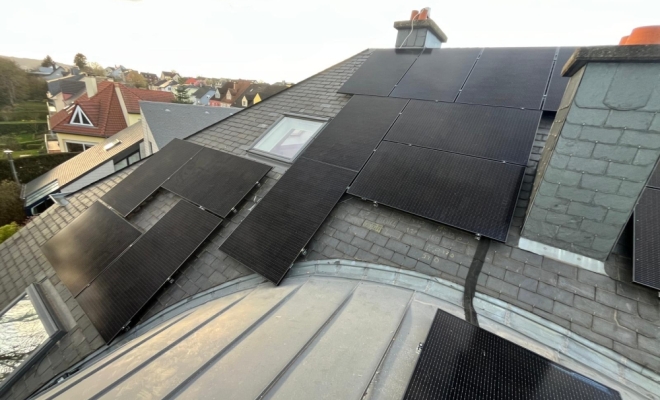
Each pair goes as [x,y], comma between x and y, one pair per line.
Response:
[647,53]
[419,24]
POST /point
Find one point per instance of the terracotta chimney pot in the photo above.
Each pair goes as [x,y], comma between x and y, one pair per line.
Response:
[413,14]
[424,14]
[645,35]
[623,40]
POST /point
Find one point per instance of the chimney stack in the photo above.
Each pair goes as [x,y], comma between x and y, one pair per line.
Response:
[603,146]
[90,86]
[419,31]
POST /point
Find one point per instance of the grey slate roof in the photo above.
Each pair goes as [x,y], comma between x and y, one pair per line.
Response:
[607,310]
[202,91]
[168,121]
[55,85]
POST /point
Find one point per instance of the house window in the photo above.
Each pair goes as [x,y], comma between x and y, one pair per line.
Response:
[288,137]
[125,162]
[244,102]
[79,118]
[75,147]
[27,330]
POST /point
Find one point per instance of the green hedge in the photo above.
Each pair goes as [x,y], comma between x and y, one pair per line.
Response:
[14,129]
[29,168]
[7,230]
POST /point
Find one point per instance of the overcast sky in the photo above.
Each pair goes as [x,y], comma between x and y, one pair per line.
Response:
[273,40]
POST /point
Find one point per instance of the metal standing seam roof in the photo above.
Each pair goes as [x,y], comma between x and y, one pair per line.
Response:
[86,161]
[168,121]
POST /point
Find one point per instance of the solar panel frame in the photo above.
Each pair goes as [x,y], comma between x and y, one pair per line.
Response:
[496,133]
[216,180]
[379,74]
[437,74]
[558,83]
[462,361]
[448,188]
[509,77]
[646,240]
[271,237]
[117,295]
[134,189]
[86,246]
[350,138]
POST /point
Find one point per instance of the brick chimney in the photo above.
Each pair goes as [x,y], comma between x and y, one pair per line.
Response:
[419,31]
[603,146]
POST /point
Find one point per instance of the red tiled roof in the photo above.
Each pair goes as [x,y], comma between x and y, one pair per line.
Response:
[191,81]
[104,110]
[133,96]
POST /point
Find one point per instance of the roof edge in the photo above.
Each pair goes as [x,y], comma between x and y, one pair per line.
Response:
[646,53]
[426,23]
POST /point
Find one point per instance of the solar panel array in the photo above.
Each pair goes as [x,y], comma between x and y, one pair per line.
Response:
[462,361]
[518,77]
[86,246]
[469,193]
[354,133]
[271,237]
[646,256]
[380,72]
[126,285]
[216,180]
[496,133]
[133,190]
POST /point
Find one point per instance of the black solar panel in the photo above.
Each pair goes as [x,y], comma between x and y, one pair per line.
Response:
[462,361]
[380,72]
[497,133]
[654,181]
[82,249]
[469,193]
[437,74]
[354,133]
[148,177]
[646,264]
[509,77]
[121,291]
[216,180]
[271,237]
[558,83]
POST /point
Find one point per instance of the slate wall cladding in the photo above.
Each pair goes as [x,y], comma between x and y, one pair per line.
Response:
[604,155]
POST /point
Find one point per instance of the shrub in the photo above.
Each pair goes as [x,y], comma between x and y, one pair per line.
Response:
[11,206]
[7,230]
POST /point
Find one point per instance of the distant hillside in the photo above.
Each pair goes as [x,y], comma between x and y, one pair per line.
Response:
[30,63]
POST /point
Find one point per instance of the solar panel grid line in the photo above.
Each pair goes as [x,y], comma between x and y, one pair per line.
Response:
[646,239]
[509,77]
[272,236]
[349,139]
[465,192]
[85,247]
[216,181]
[495,133]
[142,183]
[118,294]
[438,74]
[558,83]
[461,361]
[549,82]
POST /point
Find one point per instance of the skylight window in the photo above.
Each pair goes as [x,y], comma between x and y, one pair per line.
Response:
[79,118]
[112,144]
[288,137]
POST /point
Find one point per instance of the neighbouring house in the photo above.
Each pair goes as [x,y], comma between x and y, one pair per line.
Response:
[226,94]
[49,73]
[117,73]
[203,95]
[194,82]
[256,93]
[101,160]
[166,85]
[64,91]
[169,75]
[163,122]
[151,78]
[417,224]
[105,109]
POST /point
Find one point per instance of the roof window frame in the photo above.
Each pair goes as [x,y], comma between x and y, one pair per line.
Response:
[82,117]
[253,150]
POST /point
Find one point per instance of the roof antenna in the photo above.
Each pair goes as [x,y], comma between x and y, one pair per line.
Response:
[412,23]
